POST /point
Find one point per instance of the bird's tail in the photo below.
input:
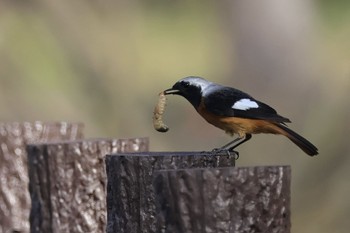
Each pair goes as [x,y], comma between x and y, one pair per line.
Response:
[301,142]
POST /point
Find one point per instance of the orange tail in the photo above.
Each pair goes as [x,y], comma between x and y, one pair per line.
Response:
[301,142]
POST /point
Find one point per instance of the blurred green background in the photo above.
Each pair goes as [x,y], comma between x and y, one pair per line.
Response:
[104,62]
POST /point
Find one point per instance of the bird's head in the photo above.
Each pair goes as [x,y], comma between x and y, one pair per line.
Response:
[191,88]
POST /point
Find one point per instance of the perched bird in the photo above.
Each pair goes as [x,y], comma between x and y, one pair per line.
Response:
[235,112]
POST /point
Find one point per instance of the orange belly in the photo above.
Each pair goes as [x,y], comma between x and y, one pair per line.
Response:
[240,126]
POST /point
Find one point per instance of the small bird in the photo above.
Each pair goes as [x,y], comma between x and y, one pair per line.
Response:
[235,112]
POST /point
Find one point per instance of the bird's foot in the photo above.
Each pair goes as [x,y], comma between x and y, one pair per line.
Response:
[235,152]
[223,151]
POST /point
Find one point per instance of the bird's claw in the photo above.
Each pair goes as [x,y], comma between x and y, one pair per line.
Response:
[236,153]
[221,151]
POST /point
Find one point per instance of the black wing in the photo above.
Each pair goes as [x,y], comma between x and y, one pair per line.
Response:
[220,101]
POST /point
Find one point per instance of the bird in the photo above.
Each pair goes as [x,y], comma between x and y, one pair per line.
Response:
[235,112]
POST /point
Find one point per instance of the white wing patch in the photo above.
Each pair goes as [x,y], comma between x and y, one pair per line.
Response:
[245,104]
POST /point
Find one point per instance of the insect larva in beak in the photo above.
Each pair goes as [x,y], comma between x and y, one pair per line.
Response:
[158,112]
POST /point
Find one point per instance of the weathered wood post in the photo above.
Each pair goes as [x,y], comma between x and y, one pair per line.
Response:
[176,192]
[14,194]
[130,192]
[240,199]
[68,183]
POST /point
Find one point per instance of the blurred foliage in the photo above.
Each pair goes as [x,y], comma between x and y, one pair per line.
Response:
[104,62]
[334,13]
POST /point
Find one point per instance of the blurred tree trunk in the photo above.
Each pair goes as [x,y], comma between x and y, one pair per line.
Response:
[271,46]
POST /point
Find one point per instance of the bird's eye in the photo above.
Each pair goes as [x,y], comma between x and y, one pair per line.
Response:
[186,84]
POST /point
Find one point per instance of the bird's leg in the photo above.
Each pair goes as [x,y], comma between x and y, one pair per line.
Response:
[226,149]
[247,137]
[227,146]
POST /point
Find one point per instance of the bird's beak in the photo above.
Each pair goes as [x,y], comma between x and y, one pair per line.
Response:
[171,91]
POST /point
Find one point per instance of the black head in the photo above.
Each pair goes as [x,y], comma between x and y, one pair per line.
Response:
[191,88]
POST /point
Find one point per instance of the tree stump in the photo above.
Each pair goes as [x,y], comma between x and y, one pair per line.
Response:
[220,200]
[68,183]
[130,193]
[14,194]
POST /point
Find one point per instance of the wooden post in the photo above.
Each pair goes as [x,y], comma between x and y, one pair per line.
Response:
[246,199]
[68,183]
[14,194]
[130,192]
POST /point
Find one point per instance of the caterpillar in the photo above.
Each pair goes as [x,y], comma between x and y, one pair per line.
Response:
[158,112]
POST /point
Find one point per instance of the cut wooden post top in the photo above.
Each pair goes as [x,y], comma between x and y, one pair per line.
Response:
[68,183]
[130,191]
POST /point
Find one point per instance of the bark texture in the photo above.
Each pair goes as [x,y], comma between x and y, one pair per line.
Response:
[130,191]
[14,195]
[68,183]
[241,199]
